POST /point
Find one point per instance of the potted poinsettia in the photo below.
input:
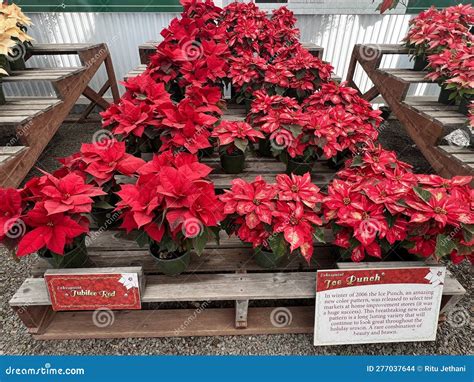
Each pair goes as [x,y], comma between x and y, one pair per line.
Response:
[173,207]
[341,121]
[48,216]
[453,71]
[234,139]
[15,23]
[284,125]
[434,31]
[277,219]
[99,162]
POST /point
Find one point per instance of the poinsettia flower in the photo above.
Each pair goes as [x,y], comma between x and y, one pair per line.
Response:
[53,232]
[252,200]
[102,161]
[69,194]
[238,133]
[10,209]
[298,189]
[296,223]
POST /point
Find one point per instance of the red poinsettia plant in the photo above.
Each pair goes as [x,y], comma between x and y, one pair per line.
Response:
[340,120]
[172,204]
[377,206]
[235,136]
[48,215]
[454,69]
[433,30]
[279,217]
[194,49]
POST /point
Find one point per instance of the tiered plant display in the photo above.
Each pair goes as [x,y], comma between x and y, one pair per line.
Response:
[375,204]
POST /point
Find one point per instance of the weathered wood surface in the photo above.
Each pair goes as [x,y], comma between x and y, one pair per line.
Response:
[426,126]
[175,323]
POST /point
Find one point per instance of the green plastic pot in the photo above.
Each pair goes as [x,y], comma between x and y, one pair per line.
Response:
[265,148]
[298,168]
[77,257]
[267,259]
[172,266]
[233,163]
[444,97]
[421,62]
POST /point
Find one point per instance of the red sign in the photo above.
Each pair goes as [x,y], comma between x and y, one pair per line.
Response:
[336,279]
[93,291]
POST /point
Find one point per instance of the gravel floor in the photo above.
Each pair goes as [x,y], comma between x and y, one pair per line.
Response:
[454,335]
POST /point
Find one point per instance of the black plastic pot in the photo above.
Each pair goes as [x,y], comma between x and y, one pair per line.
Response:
[421,62]
[267,259]
[105,219]
[3,101]
[444,97]
[76,257]
[386,111]
[265,148]
[171,264]
[464,105]
[298,168]
[206,153]
[233,163]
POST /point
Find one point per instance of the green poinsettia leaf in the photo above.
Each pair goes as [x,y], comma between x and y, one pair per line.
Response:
[103,205]
[444,246]
[241,144]
[277,244]
[319,234]
[422,193]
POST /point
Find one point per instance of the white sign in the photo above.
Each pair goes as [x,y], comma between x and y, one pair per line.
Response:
[377,305]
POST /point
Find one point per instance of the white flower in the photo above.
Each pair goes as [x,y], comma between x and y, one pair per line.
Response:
[436,276]
[129,280]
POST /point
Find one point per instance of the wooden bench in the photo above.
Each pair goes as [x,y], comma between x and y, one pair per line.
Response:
[224,274]
[32,122]
[426,121]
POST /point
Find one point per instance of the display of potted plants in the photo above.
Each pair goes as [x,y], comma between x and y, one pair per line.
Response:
[453,71]
[378,207]
[234,139]
[48,216]
[173,207]
[277,219]
[433,31]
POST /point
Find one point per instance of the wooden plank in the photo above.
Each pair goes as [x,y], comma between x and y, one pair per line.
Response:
[465,158]
[407,75]
[5,158]
[42,74]
[52,49]
[12,150]
[456,149]
[211,260]
[175,322]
